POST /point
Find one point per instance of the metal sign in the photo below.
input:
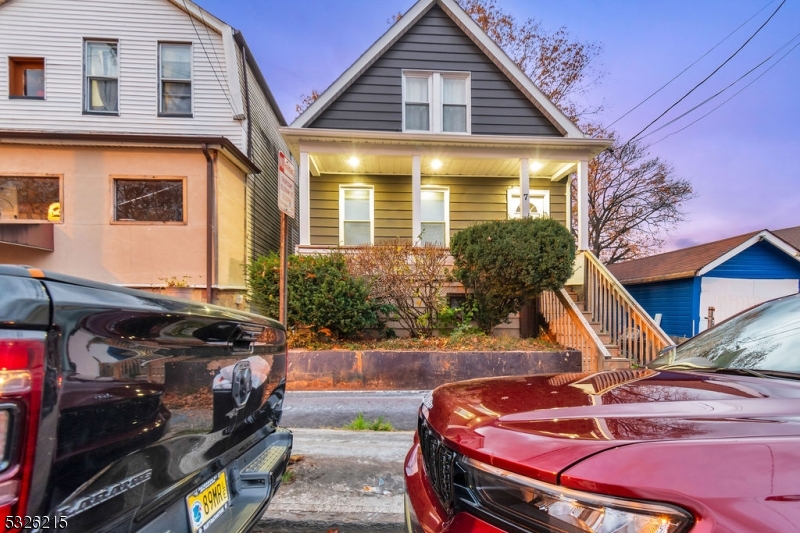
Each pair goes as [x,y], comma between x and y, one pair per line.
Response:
[286,184]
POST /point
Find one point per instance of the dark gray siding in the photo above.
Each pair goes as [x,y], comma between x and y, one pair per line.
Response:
[374,100]
[263,215]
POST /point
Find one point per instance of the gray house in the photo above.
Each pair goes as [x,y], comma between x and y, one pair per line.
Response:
[432,129]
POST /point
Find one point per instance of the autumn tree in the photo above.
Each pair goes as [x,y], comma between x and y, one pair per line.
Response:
[306,100]
[634,200]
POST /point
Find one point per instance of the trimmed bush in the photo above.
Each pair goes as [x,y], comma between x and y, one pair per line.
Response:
[505,263]
[322,294]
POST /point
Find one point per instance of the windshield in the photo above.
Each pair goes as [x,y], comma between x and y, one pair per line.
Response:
[766,337]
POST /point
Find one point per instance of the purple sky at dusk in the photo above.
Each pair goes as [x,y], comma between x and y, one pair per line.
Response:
[741,159]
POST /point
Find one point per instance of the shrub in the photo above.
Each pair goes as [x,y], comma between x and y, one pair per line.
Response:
[503,264]
[408,278]
[322,294]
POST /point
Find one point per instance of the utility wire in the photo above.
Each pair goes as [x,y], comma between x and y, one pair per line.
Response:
[634,108]
[729,99]
[709,76]
[740,78]
[202,44]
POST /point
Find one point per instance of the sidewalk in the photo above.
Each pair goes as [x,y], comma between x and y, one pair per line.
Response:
[350,481]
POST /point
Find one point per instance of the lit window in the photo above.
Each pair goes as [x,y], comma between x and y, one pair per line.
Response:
[26,77]
[435,216]
[436,101]
[175,79]
[539,202]
[356,215]
[101,68]
[151,199]
[24,198]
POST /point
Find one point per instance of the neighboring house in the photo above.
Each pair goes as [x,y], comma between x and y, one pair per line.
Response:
[138,141]
[729,275]
[431,130]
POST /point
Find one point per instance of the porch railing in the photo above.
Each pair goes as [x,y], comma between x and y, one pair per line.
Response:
[630,327]
[567,325]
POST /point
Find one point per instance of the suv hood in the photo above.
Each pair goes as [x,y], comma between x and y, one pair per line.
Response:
[544,424]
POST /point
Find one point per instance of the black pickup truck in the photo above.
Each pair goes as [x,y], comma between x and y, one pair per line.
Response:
[122,410]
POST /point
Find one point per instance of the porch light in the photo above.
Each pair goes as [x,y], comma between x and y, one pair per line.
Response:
[536,165]
[436,164]
[353,161]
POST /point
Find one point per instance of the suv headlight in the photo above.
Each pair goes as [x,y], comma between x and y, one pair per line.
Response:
[554,508]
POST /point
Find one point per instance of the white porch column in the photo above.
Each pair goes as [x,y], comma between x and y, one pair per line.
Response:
[305,200]
[524,188]
[416,198]
[583,204]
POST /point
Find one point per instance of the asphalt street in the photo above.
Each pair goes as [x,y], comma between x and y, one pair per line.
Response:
[344,481]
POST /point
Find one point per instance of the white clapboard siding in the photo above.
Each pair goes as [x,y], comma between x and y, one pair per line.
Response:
[56,29]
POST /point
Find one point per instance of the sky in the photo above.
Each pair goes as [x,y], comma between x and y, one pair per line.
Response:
[741,159]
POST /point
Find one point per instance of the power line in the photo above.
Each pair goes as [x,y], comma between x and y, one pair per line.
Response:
[709,76]
[202,44]
[729,99]
[740,78]
[634,108]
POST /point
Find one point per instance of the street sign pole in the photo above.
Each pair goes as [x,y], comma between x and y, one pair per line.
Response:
[283,276]
[286,191]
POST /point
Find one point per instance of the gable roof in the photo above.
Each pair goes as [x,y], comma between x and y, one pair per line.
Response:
[565,126]
[700,259]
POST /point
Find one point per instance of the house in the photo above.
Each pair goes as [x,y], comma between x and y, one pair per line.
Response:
[693,287]
[432,129]
[138,141]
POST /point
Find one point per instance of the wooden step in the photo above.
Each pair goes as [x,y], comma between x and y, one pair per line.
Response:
[613,349]
[616,363]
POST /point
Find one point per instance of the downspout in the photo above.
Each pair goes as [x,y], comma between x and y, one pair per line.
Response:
[210,230]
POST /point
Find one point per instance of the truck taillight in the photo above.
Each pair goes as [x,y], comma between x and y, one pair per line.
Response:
[22,360]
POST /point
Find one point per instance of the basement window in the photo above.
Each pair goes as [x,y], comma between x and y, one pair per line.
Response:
[26,77]
[149,199]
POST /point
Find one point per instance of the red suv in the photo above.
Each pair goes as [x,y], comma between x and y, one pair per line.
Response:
[706,438]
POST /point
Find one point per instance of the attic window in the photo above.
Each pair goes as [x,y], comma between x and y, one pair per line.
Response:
[438,102]
[26,77]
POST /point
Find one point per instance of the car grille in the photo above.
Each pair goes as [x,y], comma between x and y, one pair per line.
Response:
[438,460]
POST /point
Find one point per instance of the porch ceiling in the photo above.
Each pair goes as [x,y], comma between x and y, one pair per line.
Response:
[355,163]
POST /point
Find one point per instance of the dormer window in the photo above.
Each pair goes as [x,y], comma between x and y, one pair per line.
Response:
[437,102]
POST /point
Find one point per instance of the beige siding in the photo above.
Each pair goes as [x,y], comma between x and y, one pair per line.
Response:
[473,199]
[55,30]
[87,244]
[230,224]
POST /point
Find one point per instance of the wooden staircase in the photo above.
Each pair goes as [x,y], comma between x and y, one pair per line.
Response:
[613,361]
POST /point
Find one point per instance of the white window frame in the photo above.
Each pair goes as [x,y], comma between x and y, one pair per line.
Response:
[87,84]
[371,189]
[446,191]
[513,194]
[436,99]
[161,81]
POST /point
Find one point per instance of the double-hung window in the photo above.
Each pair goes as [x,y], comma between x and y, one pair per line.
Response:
[356,215]
[435,216]
[438,102]
[175,79]
[101,71]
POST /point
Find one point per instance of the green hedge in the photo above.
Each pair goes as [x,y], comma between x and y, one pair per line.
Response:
[505,263]
[322,294]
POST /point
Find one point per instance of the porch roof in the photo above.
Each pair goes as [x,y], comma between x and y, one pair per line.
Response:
[460,155]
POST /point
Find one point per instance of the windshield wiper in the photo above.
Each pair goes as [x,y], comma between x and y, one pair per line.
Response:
[715,370]
[739,372]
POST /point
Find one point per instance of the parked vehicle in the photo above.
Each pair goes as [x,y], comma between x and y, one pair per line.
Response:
[706,438]
[122,410]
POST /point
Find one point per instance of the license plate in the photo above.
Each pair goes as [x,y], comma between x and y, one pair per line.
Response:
[207,503]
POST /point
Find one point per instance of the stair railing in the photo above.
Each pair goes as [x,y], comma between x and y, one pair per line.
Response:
[629,326]
[567,326]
